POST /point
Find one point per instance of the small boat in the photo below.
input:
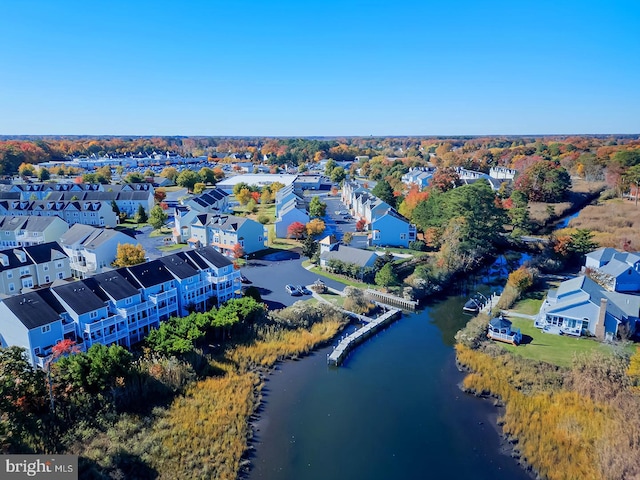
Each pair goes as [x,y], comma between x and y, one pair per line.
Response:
[472,305]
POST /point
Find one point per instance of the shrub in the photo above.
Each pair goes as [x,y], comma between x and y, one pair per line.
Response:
[418,245]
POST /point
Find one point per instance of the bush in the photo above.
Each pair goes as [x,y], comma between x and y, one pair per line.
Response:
[263,219]
[418,245]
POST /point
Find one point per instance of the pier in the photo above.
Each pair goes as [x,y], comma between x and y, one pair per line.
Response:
[491,302]
[371,328]
[392,300]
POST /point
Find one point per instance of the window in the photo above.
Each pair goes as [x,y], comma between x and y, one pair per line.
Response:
[27,282]
[93,315]
[45,267]
[24,271]
[47,279]
[46,328]
[403,236]
[10,274]
[128,301]
[60,275]
[59,264]
[7,233]
[12,287]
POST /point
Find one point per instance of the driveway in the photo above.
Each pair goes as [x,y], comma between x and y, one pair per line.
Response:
[338,226]
[271,276]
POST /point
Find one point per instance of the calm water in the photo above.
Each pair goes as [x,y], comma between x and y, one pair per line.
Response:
[393,410]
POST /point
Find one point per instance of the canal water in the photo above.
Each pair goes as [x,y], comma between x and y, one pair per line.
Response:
[392,410]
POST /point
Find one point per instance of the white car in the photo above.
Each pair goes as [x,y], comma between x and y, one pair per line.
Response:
[292,290]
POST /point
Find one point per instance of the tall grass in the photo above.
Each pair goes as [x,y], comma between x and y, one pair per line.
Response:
[612,222]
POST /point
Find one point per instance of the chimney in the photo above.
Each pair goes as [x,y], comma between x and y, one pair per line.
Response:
[600,324]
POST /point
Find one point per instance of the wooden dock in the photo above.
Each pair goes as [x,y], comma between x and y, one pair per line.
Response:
[371,328]
[492,301]
[392,300]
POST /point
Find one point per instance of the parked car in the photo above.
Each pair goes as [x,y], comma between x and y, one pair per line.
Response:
[341,212]
[293,290]
[303,290]
[244,279]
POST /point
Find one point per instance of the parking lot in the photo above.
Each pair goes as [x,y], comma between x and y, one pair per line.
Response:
[271,276]
[337,225]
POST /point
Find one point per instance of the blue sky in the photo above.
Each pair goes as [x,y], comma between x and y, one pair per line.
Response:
[332,68]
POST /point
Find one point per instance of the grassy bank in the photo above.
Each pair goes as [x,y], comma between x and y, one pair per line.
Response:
[203,433]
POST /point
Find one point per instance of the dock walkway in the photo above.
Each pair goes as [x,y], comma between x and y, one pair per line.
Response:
[371,328]
[491,302]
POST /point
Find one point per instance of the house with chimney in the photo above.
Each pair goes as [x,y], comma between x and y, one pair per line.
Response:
[580,306]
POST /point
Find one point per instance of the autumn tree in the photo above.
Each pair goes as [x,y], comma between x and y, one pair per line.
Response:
[129,254]
[26,170]
[157,217]
[243,196]
[170,173]
[315,227]
[445,178]
[238,250]
[296,230]
[360,225]
[347,238]
[317,208]
[543,181]
[198,188]
[159,195]
[187,179]
[411,200]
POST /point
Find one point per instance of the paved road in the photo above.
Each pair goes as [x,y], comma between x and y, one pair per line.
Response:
[271,276]
[338,226]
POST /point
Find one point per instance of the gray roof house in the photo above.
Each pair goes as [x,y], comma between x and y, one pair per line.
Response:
[582,307]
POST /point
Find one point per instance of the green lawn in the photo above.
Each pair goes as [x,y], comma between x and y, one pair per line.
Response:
[162,232]
[528,306]
[333,298]
[339,278]
[172,247]
[550,348]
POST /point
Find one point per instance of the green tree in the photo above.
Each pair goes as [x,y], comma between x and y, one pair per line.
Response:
[26,170]
[482,219]
[141,215]
[157,217]
[187,179]
[384,192]
[317,208]
[338,175]
[134,177]
[207,175]
[386,277]
[329,166]
[115,208]
[22,396]
[43,174]
[581,242]
[96,371]
[544,181]
[309,247]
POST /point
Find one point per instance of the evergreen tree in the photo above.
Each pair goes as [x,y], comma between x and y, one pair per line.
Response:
[384,192]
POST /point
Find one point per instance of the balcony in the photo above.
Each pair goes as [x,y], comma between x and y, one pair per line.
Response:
[99,325]
[134,309]
[27,239]
[83,266]
[158,298]
[68,327]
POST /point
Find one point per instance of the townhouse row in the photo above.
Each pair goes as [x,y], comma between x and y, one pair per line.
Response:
[387,228]
[119,306]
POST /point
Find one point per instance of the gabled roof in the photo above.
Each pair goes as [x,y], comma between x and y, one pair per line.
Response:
[32,309]
[179,266]
[195,259]
[615,268]
[79,296]
[349,255]
[602,255]
[45,252]
[115,285]
[214,257]
[147,274]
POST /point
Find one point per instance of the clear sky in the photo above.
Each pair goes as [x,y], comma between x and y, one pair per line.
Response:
[332,68]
